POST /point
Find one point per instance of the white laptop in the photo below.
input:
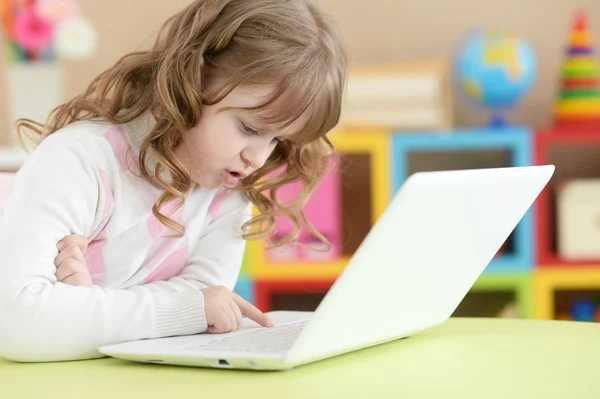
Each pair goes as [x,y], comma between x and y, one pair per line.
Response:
[413,269]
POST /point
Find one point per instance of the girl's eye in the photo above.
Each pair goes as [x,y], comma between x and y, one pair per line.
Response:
[248,130]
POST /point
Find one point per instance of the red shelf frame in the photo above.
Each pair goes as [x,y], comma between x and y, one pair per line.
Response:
[546,257]
[577,126]
[264,290]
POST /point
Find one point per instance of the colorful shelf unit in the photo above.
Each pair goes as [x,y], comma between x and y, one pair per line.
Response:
[527,279]
[466,150]
[575,155]
[371,165]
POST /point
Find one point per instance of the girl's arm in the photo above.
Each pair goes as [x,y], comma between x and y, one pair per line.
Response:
[56,193]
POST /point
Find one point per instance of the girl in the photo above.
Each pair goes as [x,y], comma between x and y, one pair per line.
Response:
[157,165]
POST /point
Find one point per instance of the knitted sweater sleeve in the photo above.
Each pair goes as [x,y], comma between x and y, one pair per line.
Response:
[56,193]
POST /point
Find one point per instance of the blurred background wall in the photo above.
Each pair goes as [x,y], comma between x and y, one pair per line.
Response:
[376,30]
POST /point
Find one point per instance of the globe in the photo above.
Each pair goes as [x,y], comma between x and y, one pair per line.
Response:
[495,71]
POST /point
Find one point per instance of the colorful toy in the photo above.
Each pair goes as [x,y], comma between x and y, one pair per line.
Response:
[578,104]
[583,310]
[495,71]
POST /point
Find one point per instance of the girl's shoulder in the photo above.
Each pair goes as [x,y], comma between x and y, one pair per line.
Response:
[107,144]
[82,132]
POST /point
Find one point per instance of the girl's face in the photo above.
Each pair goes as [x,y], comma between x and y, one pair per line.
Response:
[229,144]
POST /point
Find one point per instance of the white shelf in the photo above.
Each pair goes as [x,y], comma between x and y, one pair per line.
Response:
[12,158]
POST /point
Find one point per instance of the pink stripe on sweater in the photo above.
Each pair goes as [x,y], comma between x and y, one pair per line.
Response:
[109,200]
[217,202]
[155,228]
[128,162]
[94,256]
[109,203]
[173,262]
[120,146]
[167,256]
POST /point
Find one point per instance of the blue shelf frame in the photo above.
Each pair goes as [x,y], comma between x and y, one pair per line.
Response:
[245,288]
[517,140]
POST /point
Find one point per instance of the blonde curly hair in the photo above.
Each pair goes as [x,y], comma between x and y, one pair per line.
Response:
[289,43]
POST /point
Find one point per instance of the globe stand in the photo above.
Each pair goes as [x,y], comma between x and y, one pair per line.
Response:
[498,120]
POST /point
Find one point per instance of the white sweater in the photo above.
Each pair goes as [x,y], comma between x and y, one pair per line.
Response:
[81,180]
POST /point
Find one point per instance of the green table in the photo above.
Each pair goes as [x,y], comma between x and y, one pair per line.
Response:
[463,358]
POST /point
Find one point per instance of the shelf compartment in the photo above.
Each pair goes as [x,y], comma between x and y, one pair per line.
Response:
[472,149]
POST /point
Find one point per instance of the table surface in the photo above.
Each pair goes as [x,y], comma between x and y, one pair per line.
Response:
[462,358]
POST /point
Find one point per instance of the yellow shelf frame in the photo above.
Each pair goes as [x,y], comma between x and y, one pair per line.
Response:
[376,143]
[547,281]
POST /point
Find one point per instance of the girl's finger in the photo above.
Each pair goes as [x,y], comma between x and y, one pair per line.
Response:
[222,322]
[71,252]
[73,239]
[238,315]
[231,316]
[252,311]
[69,267]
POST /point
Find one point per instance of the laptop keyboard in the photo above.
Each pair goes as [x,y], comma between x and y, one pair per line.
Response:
[269,340]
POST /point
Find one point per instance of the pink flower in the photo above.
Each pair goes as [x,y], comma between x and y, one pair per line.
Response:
[33,32]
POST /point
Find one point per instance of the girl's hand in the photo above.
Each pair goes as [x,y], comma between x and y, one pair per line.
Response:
[224,310]
[70,263]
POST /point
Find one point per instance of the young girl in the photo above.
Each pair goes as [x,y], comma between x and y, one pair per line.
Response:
[128,221]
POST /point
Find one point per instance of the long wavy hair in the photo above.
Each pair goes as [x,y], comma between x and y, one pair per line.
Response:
[289,43]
